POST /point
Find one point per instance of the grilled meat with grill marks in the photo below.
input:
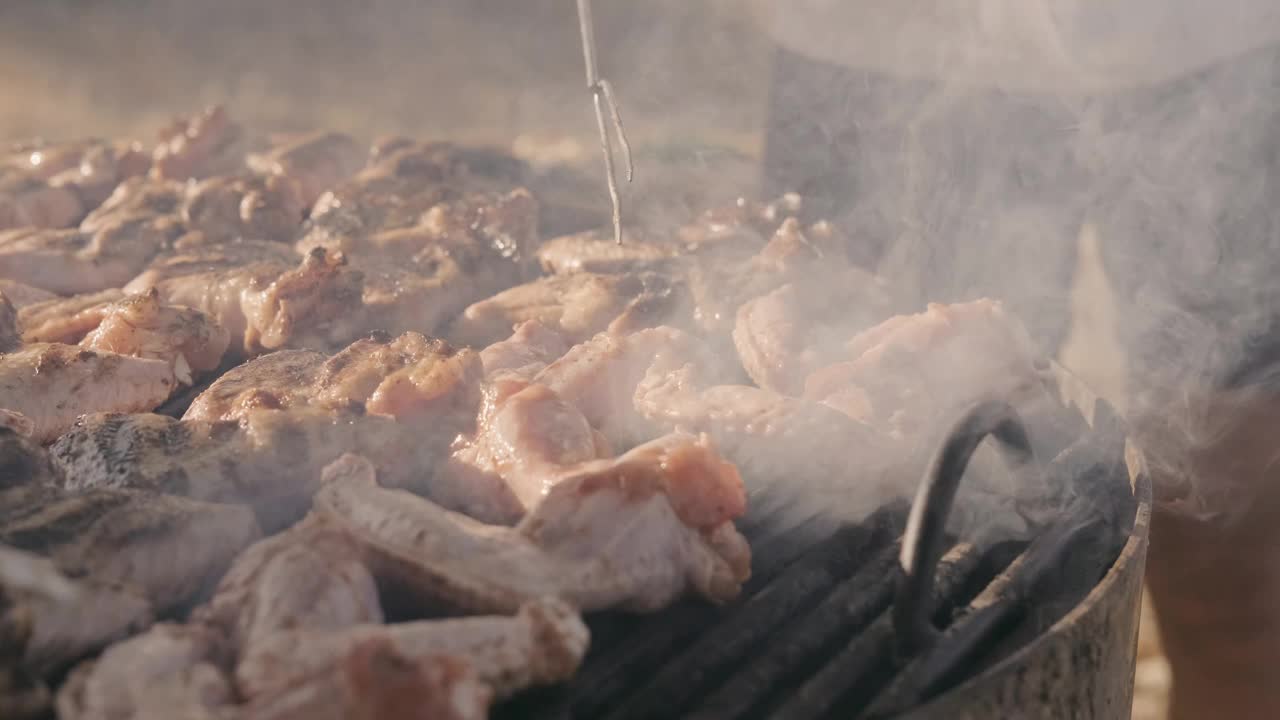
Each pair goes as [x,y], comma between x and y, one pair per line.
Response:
[228,208]
[270,460]
[73,261]
[135,198]
[140,326]
[406,377]
[264,305]
[313,163]
[133,553]
[633,533]
[53,384]
[578,306]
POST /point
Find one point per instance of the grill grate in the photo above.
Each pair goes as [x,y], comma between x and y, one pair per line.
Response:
[814,633]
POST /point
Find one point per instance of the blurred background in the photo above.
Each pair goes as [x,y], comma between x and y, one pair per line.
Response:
[691,78]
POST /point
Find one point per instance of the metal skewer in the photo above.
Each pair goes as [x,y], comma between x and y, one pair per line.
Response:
[601,95]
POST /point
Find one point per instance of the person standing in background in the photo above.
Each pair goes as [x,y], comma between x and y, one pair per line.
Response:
[965,143]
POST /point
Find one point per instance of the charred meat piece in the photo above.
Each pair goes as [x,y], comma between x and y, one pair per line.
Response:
[53,384]
[308,578]
[73,261]
[577,306]
[140,326]
[783,336]
[632,533]
[228,208]
[530,348]
[270,460]
[65,319]
[171,667]
[136,198]
[541,644]
[132,553]
[314,162]
[911,372]
[407,376]
[205,144]
[264,305]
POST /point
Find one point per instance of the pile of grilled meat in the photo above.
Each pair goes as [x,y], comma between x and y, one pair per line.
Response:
[294,429]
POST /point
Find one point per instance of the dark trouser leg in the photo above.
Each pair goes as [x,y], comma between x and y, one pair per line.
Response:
[953,195]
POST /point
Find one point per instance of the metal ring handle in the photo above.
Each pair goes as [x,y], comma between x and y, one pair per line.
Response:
[922,542]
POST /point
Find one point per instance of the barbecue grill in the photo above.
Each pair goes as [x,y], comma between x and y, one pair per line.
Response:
[838,621]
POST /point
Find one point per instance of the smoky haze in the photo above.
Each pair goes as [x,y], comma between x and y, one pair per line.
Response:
[964,187]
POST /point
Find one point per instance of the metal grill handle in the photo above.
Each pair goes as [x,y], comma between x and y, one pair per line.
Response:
[923,541]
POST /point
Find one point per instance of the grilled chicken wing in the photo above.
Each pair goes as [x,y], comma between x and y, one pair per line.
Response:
[53,384]
[308,578]
[140,326]
[541,644]
[632,533]
[65,319]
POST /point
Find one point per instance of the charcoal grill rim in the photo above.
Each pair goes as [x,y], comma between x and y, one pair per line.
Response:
[958,702]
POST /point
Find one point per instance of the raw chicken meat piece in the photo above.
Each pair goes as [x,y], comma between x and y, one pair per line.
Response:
[632,533]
